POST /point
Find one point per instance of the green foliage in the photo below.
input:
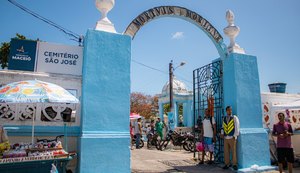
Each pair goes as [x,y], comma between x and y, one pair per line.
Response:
[167,109]
[4,50]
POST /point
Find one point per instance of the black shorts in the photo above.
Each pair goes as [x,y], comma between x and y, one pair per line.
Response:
[285,153]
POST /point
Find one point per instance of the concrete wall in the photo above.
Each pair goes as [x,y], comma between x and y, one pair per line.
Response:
[105,139]
[242,92]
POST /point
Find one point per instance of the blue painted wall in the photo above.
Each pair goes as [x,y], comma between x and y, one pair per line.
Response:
[242,92]
[253,148]
[242,89]
[104,143]
[13,130]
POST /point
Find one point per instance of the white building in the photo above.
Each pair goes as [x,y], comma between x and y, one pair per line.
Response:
[289,104]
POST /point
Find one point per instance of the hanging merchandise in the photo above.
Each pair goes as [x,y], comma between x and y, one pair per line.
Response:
[210,103]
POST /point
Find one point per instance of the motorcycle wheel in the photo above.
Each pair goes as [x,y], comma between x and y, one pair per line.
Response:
[163,145]
[185,146]
[191,146]
[149,144]
[141,143]
[158,142]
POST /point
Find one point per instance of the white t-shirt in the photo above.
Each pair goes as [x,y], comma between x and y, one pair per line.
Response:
[136,128]
[207,128]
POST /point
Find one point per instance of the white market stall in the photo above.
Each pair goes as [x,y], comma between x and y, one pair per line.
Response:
[25,155]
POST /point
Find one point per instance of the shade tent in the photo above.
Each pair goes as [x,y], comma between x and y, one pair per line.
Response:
[276,108]
[134,116]
[291,105]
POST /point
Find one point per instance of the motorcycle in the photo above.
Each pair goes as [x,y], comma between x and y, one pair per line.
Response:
[176,139]
[189,143]
[141,141]
[152,140]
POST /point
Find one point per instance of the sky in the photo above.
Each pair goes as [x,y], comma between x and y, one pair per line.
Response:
[270,30]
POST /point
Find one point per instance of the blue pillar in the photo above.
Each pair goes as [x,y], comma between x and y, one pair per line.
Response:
[185,114]
[242,92]
[175,113]
[104,142]
[190,114]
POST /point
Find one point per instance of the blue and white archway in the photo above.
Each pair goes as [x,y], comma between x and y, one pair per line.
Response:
[181,13]
[106,83]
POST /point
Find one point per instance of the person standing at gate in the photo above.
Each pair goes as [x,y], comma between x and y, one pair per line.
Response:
[209,135]
[230,132]
[159,128]
[283,131]
[131,135]
[165,130]
[138,132]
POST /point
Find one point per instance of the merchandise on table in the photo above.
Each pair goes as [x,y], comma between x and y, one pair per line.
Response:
[43,150]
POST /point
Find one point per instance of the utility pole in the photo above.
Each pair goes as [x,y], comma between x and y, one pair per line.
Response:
[171,84]
[171,71]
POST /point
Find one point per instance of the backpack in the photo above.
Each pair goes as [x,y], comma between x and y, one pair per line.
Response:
[210,119]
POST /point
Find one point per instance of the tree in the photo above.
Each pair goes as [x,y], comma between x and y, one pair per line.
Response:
[4,51]
[144,105]
[155,106]
[167,108]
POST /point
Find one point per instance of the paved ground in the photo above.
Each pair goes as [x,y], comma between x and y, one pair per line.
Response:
[170,160]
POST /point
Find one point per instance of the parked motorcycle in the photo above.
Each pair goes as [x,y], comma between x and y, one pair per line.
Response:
[189,144]
[141,141]
[176,138]
[152,140]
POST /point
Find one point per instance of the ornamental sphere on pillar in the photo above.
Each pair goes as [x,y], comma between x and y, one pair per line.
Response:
[104,6]
[104,24]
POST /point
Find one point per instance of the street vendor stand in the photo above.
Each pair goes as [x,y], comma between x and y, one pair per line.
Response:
[40,156]
[34,164]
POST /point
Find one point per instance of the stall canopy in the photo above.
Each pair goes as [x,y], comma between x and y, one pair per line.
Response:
[291,105]
[134,116]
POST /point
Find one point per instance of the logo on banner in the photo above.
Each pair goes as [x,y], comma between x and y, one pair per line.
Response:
[22,55]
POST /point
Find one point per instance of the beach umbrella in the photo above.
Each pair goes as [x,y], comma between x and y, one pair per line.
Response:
[35,91]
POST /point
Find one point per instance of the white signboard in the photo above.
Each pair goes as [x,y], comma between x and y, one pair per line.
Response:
[62,59]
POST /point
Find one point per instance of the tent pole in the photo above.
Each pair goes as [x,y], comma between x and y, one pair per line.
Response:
[32,132]
[65,137]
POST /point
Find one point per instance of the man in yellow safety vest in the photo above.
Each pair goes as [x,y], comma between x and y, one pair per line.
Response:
[230,132]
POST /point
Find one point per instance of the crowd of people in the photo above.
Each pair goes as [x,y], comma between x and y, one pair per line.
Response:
[137,130]
[229,133]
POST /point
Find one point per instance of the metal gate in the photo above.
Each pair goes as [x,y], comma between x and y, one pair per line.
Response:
[208,86]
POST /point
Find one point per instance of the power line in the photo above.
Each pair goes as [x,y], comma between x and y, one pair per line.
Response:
[75,37]
[152,68]
[148,66]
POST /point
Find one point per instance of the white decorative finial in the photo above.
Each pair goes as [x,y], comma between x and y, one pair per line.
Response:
[104,24]
[232,31]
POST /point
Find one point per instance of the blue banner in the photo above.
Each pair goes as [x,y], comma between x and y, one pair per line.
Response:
[171,120]
[22,55]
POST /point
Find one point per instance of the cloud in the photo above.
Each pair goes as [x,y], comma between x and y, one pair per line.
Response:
[177,35]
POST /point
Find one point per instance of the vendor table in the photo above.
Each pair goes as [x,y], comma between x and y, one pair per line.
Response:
[35,166]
